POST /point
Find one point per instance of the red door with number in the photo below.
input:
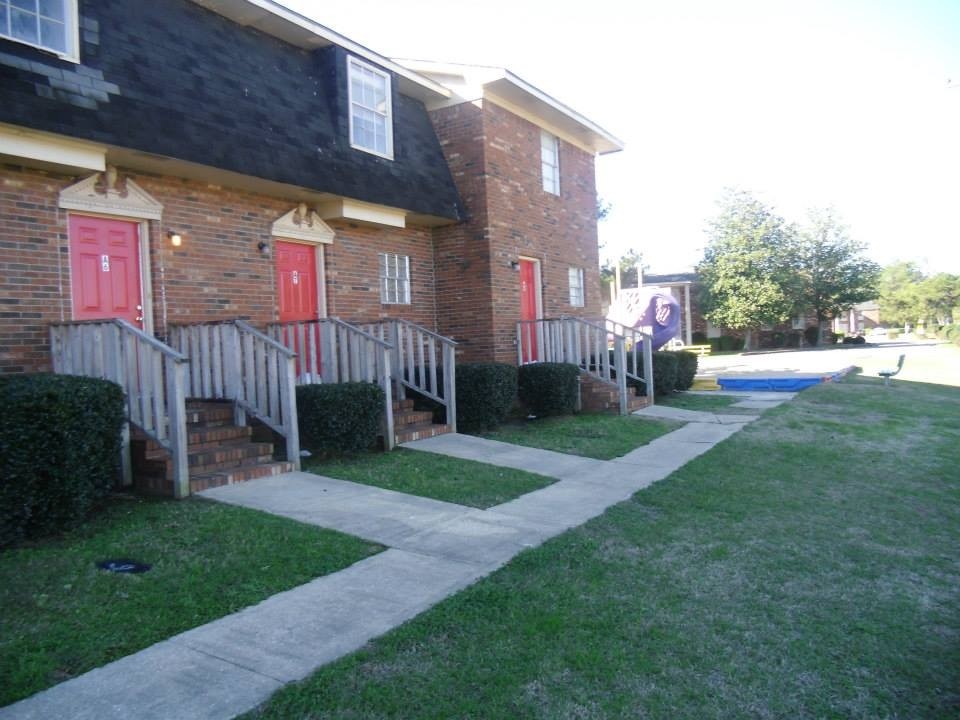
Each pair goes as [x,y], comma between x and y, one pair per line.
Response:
[529,287]
[105,269]
[298,285]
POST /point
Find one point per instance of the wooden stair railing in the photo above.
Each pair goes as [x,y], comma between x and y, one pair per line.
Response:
[423,361]
[153,377]
[330,350]
[231,360]
[588,345]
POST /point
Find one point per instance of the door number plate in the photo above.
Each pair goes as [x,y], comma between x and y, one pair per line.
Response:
[105,263]
[296,277]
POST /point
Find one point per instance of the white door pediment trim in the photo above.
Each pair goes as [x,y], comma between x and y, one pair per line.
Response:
[302,224]
[104,194]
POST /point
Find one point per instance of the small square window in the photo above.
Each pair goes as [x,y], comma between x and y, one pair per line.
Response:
[47,24]
[371,121]
[798,322]
[550,162]
[576,287]
[394,279]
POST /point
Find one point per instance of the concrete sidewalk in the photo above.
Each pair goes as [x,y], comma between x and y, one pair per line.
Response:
[231,665]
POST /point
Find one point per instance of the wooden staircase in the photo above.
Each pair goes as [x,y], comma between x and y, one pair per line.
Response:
[599,396]
[410,424]
[219,453]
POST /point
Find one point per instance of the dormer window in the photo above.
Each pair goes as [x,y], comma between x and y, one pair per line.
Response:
[550,162]
[46,24]
[371,116]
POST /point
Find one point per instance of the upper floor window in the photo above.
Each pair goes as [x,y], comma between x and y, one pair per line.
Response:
[371,117]
[576,286]
[550,162]
[46,24]
[394,279]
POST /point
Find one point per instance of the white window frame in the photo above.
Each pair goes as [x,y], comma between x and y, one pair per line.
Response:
[577,291]
[352,63]
[799,322]
[394,274]
[551,142]
[71,31]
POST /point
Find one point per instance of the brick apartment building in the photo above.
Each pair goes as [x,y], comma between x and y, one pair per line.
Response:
[183,161]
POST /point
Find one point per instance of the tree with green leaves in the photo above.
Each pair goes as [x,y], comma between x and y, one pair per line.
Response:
[899,293]
[908,296]
[747,270]
[832,272]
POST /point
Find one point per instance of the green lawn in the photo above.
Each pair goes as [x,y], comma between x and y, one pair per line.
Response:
[808,567]
[62,616]
[464,482]
[705,403]
[599,436]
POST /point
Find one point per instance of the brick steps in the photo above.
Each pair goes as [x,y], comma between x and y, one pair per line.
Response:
[218,453]
[598,396]
[410,424]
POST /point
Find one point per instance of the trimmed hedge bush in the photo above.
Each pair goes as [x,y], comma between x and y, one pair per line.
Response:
[59,451]
[686,369]
[812,335]
[485,394]
[339,417]
[726,343]
[549,388]
[665,366]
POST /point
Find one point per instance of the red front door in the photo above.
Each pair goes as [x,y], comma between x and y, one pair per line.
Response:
[105,269]
[297,281]
[530,350]
[297,286]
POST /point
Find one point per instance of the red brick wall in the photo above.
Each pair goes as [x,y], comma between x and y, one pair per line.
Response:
[34,267]
[218,272]
[495,160]
[462,252]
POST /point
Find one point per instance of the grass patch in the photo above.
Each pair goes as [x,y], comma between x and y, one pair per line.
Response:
[464,482]
[62,616]
[793,571]
[599,436]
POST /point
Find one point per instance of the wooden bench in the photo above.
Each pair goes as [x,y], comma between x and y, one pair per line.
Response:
[887,374]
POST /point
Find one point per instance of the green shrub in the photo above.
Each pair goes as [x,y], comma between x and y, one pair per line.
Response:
[59,451]
[665,366]
[686,369]
[893,334]
[793,339]
[549,388]
[812,335]
[339,417]
[728,343]
[485,394]
[699,338]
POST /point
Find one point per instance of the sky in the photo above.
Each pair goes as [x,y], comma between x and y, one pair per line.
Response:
[853,104]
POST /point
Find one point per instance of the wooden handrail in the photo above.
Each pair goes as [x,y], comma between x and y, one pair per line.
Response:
[152,375]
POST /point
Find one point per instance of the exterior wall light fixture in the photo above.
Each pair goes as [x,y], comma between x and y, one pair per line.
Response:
[263,247]
[176,239]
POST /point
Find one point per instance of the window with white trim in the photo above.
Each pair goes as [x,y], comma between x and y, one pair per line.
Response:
[371,116]
[799,322]
[46,24]
[394,279]
[576,286]
[550,162]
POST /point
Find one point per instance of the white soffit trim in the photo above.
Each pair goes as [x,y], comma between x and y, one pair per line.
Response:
[99,195]
[281,22]
[357,211]
[64,152]
[303,224]
[472,82]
